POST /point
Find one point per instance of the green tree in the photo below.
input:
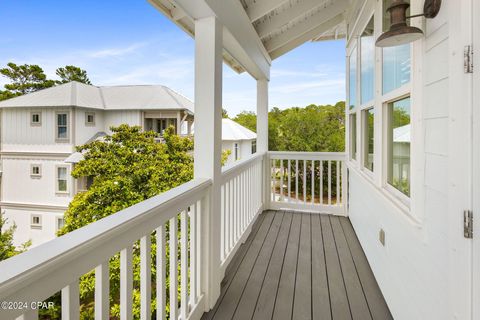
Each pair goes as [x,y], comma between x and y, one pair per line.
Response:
[248,119]
[7,248]
[224,113]
[72,73]
[24,79]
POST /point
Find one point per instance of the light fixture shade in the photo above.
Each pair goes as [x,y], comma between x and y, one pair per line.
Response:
[399,32]
[399,36]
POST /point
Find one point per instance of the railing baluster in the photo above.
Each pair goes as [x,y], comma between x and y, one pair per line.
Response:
[145,276]
[173,268]
[289,187]
[126,283]
[296,180]
[71,302]
[321,182]
[312,164]
[199,257]
[329,182]
[183,265]
[193,255]
[231,221]
[281,180]
[161,273]
[338,184]
[304,181]
[102,291]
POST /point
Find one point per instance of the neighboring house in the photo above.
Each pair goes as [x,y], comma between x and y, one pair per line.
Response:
[40,130]
[241,141]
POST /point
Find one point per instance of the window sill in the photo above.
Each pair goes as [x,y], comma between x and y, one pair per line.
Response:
[37,227]
[62,193]
[35,176]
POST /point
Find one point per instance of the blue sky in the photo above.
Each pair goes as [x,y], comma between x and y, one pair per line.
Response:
[129,42]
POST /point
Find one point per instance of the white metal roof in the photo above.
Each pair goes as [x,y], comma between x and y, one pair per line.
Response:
[402,134]
[141,97]
[233,131]
[275,26]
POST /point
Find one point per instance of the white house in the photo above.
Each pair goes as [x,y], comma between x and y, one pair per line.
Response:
[395,252]
[39,131]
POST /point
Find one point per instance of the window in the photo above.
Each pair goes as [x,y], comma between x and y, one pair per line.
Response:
[254,146]
[396,67]
[352,92]
[35,118]
[36,221]
[367,63]
[90,118]
[62,126]
[35,170]
[60,223]
[368,136]
[353,136]
[398,133]
[237,153]
[62,182]
[165,123]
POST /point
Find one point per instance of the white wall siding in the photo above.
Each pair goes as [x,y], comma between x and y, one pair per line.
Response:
[19,187]
[84,132]
[118,117]
[25,232]
[18,135]
[416,270]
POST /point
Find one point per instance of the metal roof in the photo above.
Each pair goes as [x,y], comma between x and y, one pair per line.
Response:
[141,97]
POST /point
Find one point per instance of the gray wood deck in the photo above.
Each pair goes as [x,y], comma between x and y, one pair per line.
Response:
[300,266]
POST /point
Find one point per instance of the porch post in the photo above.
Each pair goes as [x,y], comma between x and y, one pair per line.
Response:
[208,144]
[262,136]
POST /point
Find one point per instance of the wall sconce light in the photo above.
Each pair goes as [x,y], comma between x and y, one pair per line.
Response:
[399,32]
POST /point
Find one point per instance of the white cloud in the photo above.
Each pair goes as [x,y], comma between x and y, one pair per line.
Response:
[116,52]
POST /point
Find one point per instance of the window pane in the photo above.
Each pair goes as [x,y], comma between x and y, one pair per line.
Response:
[62,173]
[353,136]
[367,62]
[396,67]
[369,138]
[399,145]
[62,185]
[352,79]
[62,132]
[62,119]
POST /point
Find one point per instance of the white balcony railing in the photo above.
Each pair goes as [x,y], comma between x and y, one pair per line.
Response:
[308,181]
[241,203]
[176,221]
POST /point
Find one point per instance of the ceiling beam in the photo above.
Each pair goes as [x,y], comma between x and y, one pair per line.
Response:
[234,18]
[311,22]
[302,38]
[258,8]
[274,22]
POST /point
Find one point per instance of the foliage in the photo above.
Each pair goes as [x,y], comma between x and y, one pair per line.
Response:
[127,167]
[7,248]
[72,73]
[225,113]
[225,155]
[24,79]
[248,119]
[313,128]
[28,78]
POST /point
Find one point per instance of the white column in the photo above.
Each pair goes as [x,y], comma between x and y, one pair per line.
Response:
[262,116]
[262,137]
[208,143]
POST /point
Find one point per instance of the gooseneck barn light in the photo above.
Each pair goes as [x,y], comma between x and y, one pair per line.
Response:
[401,33]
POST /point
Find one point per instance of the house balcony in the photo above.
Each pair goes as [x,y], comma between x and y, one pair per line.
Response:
[281,248]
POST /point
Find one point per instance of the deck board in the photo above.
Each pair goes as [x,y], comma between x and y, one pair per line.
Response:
[300,266]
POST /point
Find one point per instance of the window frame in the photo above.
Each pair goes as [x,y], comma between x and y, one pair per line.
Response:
[236,149]
[35,175]
[58,218]
[363,144]
[33,123]
[57,189]
[397,194]
[353,133]
[67,138]
[254,146]
[88,123]
[34,225]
